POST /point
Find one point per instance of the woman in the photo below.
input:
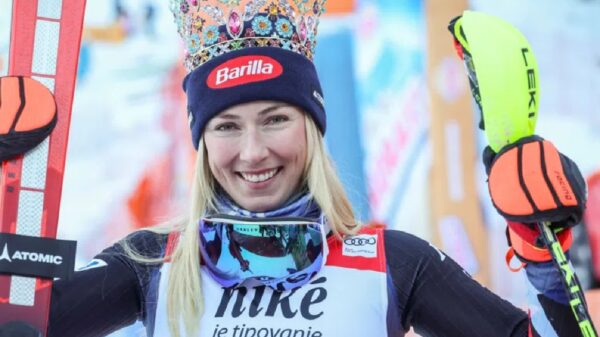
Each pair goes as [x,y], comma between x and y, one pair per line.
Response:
[271,246]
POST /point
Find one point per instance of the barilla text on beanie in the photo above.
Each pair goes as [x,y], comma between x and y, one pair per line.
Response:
[243,70]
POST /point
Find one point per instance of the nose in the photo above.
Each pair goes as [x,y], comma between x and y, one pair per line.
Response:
[254,148]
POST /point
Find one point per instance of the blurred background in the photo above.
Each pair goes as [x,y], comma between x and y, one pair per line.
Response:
[401,125]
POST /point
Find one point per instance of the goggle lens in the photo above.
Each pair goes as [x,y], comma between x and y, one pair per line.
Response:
[282,253]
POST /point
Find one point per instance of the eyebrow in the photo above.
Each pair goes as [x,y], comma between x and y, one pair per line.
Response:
[260,113]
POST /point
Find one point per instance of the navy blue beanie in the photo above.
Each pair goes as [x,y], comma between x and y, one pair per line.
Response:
[252,74]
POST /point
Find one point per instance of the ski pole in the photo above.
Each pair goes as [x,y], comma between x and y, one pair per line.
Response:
[569,280]
[507,76]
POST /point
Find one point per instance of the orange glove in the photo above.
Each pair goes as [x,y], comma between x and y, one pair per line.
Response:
[530,181]
[28,114]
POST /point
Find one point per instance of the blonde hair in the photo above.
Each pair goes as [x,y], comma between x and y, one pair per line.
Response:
[184,290]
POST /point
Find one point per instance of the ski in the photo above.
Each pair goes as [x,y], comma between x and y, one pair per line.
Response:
[44,46]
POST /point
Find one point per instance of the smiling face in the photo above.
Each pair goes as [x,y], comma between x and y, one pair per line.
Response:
[257,152]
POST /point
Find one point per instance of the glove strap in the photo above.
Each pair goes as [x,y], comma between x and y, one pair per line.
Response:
[525,248]
[510,253]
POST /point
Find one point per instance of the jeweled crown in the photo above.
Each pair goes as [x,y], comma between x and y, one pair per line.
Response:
[211,28]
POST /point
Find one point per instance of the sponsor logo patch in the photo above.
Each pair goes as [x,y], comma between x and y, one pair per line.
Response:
[243,70]
[36,256]
[190,118]
[364,245]
[95,263]
[22,255]
[319,98]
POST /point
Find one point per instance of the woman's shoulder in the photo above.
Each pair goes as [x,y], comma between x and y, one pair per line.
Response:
[394,240]
[396,237]
[141,243]
[409,248]
[148,242]
[141,251]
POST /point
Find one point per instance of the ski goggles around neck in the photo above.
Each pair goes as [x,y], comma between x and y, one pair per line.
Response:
[282,253]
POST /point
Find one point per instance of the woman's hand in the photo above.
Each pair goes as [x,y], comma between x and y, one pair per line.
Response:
[530,181]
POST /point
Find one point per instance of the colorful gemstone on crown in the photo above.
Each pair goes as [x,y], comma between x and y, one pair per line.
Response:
[303,31]
[273,12]
[234,24]
[199,24]
[184,7]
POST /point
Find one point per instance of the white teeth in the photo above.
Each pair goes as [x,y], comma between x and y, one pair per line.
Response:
[257,178]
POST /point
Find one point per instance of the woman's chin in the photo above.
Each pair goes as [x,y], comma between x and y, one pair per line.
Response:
[260,203]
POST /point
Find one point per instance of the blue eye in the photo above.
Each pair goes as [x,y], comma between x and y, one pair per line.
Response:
[277,119]
[225,127]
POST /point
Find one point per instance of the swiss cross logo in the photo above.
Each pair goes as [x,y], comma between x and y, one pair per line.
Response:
[244,70]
